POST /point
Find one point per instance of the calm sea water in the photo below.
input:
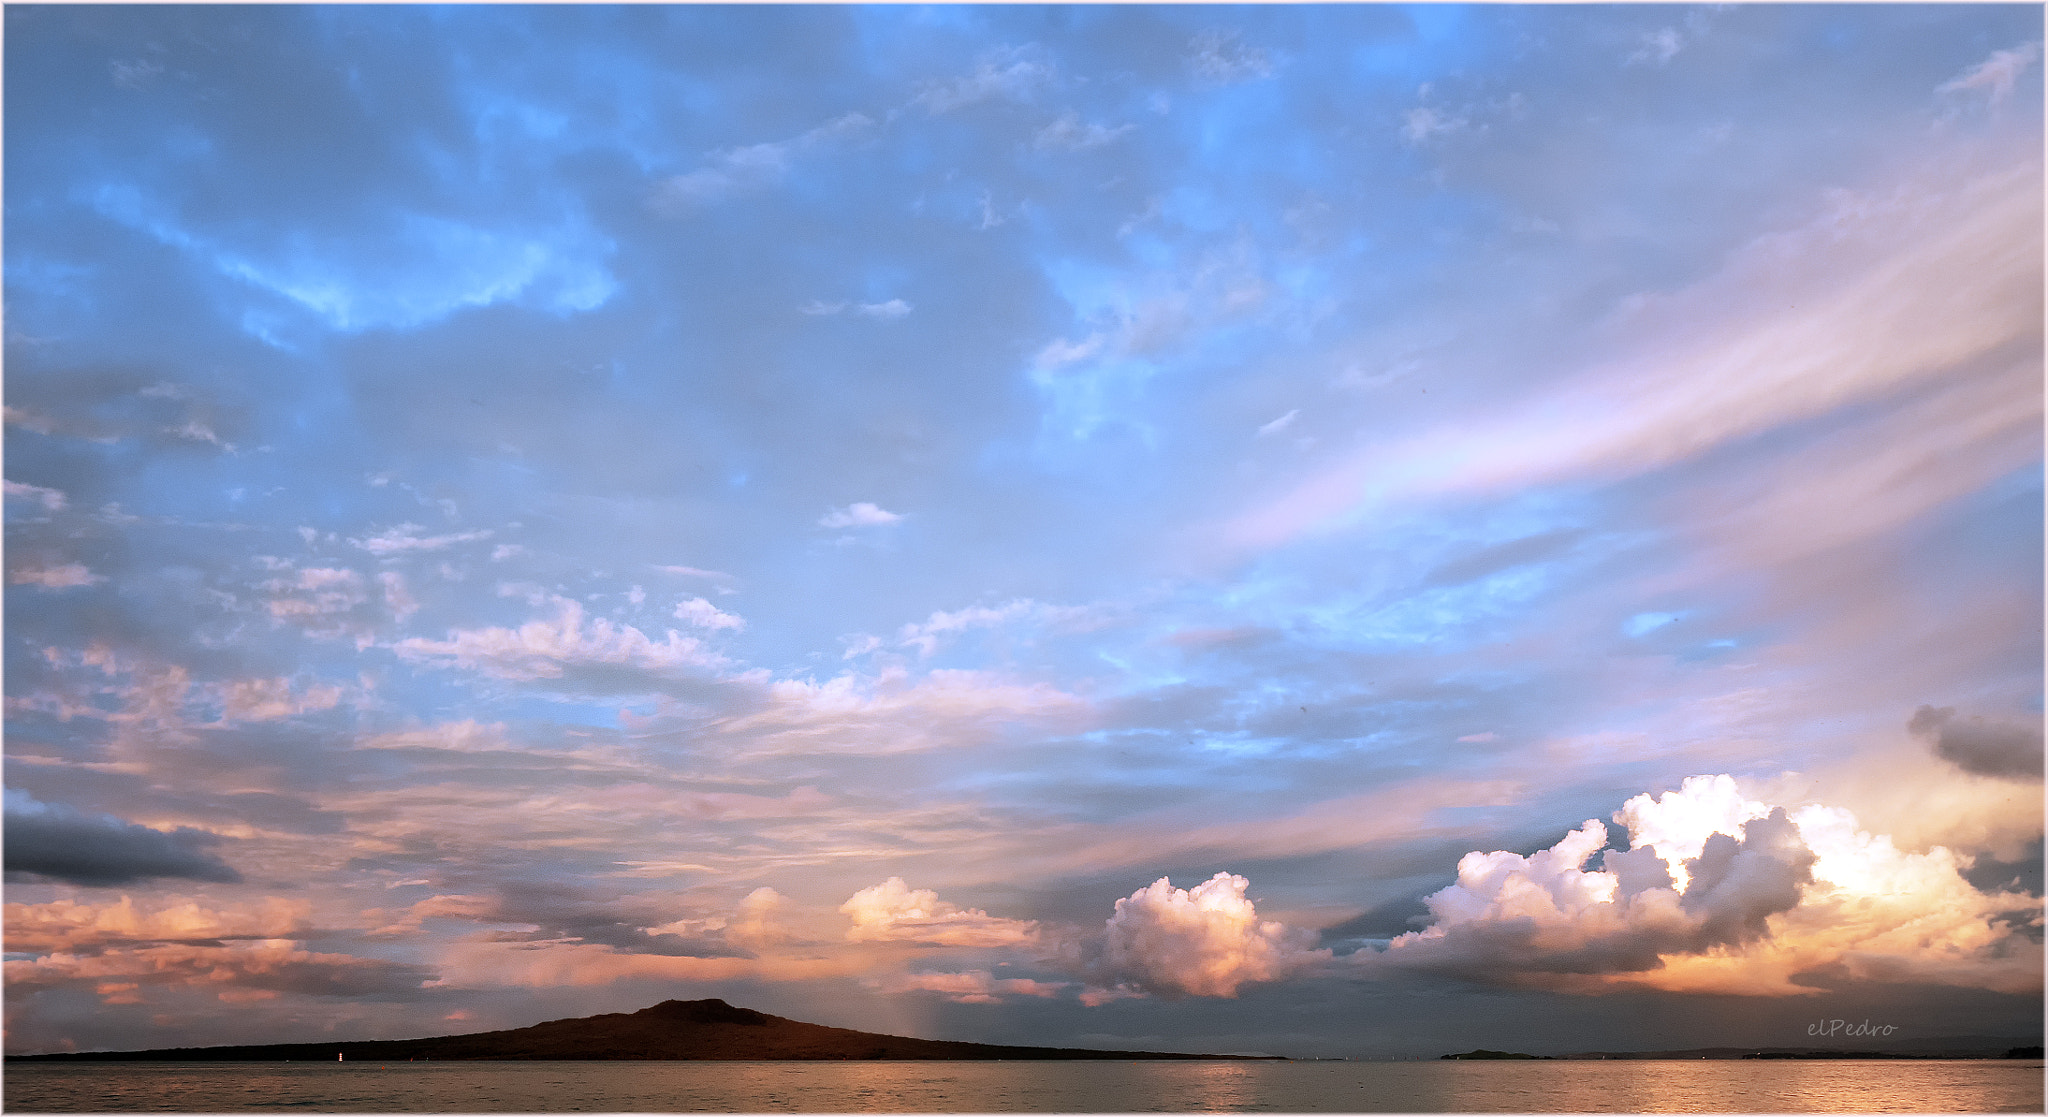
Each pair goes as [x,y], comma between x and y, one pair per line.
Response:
[1776,1086]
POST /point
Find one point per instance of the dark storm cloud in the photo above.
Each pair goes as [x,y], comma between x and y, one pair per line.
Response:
[1988,748]
[63,843]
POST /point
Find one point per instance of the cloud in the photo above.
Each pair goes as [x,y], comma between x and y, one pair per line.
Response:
[467,735]
[1987,748]
[271,699]
[991,80]
[1885,291]
[754,167]
[556,913]
[693,572]
[704,614]
[1659,47]
[70,575]
[1280,424]
[1719,893]
[1218,56]
[564,645]
[894,308]
[405,269]
[406,539]
[859,514]
[1389,813]
[331,601]
[1995,75]
[397,595]
[887,311]
[892,912]
[973,987]
[68,926]
[63,843]
[483,965]
[1203,942]
[134,74]
[52,500]
[927,635]
[757,925]
[888,714]
[1068,133]
[268,965]
[1423,122]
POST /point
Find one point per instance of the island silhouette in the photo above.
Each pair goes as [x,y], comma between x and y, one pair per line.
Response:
[705,1029]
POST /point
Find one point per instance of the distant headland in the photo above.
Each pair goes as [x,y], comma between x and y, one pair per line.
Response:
[706,1029]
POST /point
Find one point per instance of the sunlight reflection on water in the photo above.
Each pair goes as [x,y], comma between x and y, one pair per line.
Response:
[1777,1086]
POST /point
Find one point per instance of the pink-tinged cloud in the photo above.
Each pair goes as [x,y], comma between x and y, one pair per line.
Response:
[758,925]
[1994,76]
[1206,941]
[237,968]
[964,988]
[68,926]
[272,699]
[406,539]
[52,500]
[928,635]
[892,911]
[552,647]
[70,575]
[1882,293]
[526,964]
[893,712]
[1399,812]
[973,987]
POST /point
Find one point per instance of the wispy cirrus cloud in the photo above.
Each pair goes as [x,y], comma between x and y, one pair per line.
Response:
[1882,293]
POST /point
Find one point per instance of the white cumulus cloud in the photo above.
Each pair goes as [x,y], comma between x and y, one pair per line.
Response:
[704,614]
[52,500]
[1721,893]
[860,514]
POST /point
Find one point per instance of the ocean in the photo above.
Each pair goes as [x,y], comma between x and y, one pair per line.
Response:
[1673,1086]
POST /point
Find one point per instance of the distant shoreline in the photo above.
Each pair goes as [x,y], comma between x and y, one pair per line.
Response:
[673,1031]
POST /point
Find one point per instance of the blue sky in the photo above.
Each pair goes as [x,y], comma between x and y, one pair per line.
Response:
[1521,516]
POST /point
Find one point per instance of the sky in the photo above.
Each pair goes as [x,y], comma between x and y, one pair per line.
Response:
[1320,530]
